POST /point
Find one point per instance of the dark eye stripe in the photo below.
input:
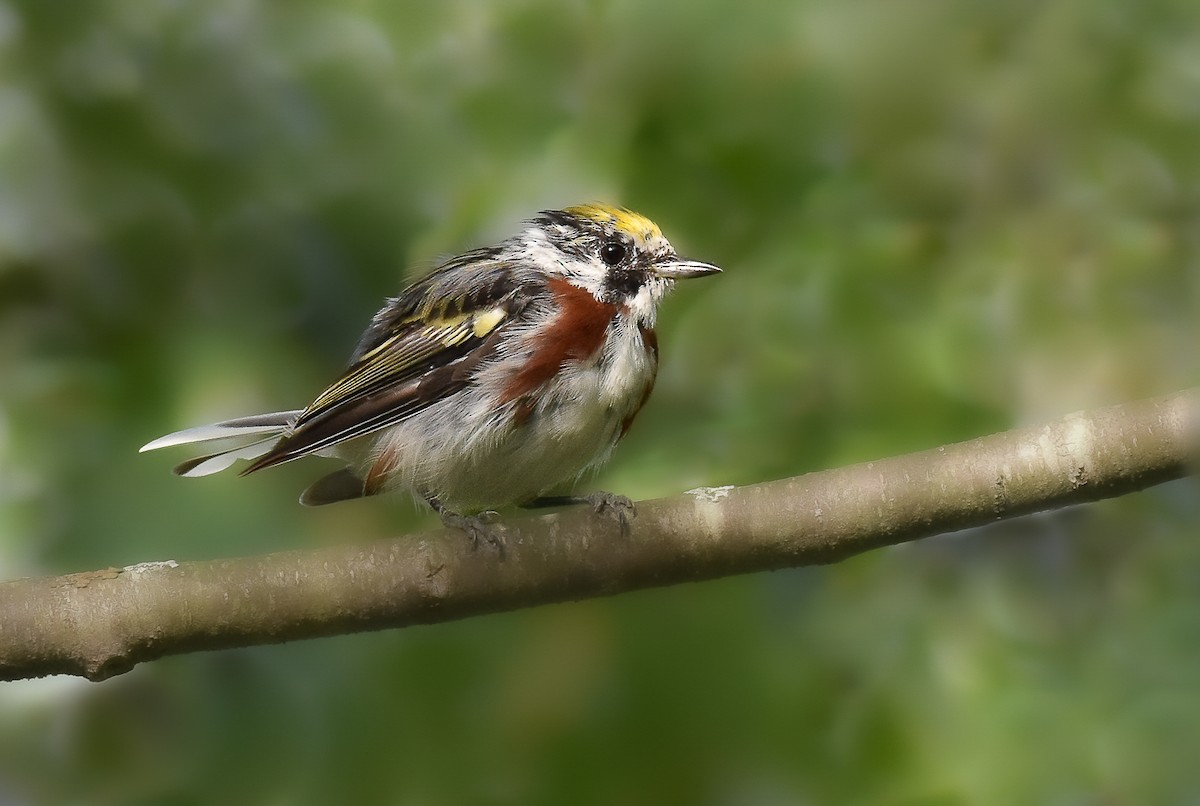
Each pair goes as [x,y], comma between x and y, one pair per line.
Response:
[621,284]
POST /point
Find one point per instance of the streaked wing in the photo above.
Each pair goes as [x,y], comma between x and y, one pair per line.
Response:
[414,349]
[421,348]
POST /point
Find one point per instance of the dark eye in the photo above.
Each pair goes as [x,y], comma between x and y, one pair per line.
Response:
[613,252]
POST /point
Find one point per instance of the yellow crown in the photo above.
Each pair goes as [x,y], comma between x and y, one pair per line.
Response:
[633,224]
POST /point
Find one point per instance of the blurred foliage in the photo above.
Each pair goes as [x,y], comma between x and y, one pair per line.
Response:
[939,218]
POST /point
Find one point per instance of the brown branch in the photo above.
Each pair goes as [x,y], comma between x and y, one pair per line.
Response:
[102,623]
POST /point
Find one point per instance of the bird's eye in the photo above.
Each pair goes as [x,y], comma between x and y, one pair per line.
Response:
[613,252]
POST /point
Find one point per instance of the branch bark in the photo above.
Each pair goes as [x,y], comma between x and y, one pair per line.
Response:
[101,623]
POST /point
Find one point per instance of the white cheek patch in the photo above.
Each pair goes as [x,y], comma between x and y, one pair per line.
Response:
[588,275]
[643,306]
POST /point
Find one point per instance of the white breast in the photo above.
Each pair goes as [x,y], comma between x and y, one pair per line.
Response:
[472,455]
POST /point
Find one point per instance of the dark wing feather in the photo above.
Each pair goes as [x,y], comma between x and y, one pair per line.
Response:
[442,293]
[422,347]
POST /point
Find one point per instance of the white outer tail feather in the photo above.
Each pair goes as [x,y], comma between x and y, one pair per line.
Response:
[267,427]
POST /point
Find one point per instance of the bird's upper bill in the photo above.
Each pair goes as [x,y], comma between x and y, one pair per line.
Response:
[679,269]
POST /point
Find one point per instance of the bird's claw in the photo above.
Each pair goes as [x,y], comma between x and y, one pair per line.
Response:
[615,507]
[479,529]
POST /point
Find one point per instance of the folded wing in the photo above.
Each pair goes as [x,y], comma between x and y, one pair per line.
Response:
[405,363]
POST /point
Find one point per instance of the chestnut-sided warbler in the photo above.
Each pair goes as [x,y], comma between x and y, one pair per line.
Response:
[502,374]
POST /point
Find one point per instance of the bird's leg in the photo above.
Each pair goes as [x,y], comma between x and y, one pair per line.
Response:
[480,528]
[609,505]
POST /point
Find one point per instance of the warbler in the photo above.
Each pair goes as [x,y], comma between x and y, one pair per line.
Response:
[504,373]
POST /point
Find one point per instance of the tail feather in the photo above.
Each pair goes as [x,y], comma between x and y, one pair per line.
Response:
[216,462]
[340,485]
[273,424]
[267,427]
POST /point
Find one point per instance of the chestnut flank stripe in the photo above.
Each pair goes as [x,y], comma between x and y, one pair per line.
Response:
[574,335]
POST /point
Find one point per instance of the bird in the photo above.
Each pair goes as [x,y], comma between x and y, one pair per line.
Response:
[502,375]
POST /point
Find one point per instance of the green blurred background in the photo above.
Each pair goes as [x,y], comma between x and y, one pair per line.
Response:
[938,219]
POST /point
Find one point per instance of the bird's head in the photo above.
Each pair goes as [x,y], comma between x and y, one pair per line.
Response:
[619,256]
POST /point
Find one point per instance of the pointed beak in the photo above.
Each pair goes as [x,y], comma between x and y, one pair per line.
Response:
[679,269]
